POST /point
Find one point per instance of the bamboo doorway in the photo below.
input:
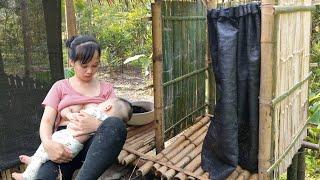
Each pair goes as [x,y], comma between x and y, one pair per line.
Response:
[179,37]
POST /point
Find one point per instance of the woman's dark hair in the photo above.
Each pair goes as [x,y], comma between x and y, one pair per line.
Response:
[82,48]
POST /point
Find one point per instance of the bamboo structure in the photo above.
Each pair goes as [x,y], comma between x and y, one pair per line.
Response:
[141,139]
[157,68]
[184,65]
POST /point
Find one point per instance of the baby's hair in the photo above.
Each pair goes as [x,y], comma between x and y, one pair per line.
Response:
[82,48]
[126,105]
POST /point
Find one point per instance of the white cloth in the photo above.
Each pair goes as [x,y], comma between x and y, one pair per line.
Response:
[95,112]
[64,137]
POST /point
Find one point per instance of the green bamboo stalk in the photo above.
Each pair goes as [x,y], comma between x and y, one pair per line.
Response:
[179,18]
[293,168]
[290,91]
[295,139]
[292,9]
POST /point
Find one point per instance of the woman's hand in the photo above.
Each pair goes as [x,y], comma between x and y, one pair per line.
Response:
[57,152]
[84,124]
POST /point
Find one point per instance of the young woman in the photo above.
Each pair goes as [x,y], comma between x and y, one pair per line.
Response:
[102,149]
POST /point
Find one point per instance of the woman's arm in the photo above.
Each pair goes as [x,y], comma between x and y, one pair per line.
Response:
[56,151]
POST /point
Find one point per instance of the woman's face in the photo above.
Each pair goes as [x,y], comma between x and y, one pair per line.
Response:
[86,72]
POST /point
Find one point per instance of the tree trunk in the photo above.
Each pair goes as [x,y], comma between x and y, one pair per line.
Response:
[26,37]
[1,64]
[52,15]
[70,18]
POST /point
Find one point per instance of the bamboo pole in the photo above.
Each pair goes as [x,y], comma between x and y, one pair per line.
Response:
[131,157]
[180,155]
[293,169]
[309,145]
[291,9]
[194,164]
[184,161]
[254,177]
[147,167]
[301,164]
[134,130]
[266,81]
[157,77]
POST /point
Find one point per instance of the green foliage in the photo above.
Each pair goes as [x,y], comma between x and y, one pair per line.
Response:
[313,164]
[314,108]
[68,72]
[313,157]
[118,27]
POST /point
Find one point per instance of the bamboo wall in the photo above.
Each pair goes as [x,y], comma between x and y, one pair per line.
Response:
[285,46]
[290,72]
[184,66]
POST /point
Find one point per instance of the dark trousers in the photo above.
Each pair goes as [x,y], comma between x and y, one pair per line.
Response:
[99,153]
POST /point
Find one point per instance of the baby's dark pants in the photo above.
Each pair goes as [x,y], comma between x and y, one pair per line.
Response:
[99,153]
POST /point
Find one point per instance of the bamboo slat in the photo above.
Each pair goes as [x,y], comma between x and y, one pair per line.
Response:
[147,167]
[184,68]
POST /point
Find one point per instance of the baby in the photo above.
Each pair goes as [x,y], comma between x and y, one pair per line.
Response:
[116,107]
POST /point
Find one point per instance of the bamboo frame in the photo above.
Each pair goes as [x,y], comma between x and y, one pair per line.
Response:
[157,78]
[291,9]
[266,86]
[290,91]
[185,76]
[274,165]
[179,18]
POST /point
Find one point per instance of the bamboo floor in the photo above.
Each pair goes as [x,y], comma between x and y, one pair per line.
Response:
[179,160]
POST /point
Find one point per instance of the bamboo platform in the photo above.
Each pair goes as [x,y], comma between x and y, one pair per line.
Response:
[179,160]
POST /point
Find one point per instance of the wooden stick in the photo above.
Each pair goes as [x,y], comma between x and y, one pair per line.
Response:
[309,145]
[131,157]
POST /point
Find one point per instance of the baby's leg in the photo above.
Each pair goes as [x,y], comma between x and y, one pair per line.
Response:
[64,137]
[37,160]
[25,159]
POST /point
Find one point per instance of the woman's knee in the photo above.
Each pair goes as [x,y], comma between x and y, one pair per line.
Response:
[48,171]
[114,128]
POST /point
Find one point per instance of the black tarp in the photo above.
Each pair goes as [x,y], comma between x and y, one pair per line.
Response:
[30,60]
[232,138]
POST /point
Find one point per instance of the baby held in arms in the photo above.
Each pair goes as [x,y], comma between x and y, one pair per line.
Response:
[72,137]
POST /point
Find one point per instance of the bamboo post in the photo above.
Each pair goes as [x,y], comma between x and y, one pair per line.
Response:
[293,168]
[301,164]
[157,71]
[266,87]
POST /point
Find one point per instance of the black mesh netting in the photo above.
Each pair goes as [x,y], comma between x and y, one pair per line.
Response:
[25,75]
[232,138]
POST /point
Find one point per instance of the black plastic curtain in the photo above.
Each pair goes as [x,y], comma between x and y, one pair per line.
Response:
[232,138]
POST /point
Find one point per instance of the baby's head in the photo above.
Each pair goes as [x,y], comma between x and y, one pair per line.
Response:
[117,107]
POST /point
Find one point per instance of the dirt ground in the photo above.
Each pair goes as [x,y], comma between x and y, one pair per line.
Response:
[130,84]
